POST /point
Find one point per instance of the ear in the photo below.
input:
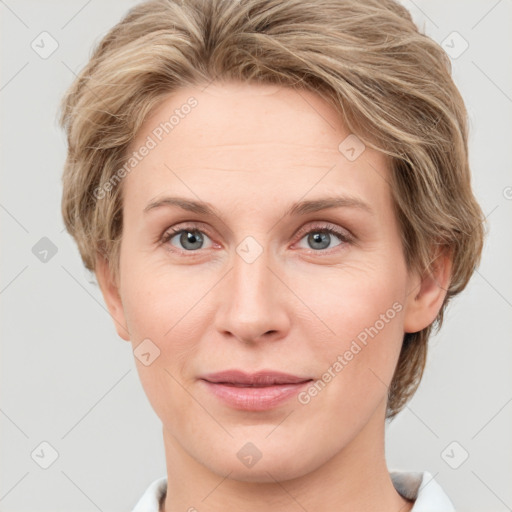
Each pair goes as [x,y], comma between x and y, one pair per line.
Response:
[111,295]
[427,293]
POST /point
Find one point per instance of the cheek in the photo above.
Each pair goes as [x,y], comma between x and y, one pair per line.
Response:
[164,311]
[361,312]
[153,313]
[349,298]
[156,298]
[159,307]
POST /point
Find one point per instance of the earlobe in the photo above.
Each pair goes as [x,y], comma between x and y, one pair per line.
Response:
[427,294]
[111,295]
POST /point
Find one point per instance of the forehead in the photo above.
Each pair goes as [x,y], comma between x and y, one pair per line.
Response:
[249,139]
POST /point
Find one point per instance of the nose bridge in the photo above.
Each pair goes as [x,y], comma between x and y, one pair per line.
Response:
[251,305]
[251,280]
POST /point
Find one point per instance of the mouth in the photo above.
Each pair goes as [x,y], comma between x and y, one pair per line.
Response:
[254,391]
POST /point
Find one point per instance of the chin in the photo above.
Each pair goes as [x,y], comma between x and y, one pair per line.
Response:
[281,463]
[262,472]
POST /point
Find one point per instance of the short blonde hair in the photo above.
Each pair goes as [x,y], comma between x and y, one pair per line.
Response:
[391,85]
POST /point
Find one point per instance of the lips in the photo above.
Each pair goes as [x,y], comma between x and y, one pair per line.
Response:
[254,391]
[258,379]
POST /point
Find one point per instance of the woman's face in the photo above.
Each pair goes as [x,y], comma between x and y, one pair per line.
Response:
[254,273]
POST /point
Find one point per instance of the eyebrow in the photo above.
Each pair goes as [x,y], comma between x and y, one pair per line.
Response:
[299,208]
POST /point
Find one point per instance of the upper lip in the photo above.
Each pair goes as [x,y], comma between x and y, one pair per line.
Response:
[262,378]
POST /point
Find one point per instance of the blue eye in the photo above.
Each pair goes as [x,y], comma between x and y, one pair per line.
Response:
[189,238]
[319,239]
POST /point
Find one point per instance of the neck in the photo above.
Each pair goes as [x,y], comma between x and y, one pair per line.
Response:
[355,478]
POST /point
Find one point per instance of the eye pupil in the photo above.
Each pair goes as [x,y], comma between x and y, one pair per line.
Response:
[320,238]
[192,237]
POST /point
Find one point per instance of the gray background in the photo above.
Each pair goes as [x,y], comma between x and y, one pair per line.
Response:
[68,380]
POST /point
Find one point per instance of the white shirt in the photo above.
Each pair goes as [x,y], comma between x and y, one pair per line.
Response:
[421,487]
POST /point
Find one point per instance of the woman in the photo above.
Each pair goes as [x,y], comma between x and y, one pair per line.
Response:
[275,198]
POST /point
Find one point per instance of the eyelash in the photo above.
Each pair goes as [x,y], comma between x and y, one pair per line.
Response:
[343,235]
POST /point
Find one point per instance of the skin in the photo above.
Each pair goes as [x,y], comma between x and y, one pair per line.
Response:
[251,151]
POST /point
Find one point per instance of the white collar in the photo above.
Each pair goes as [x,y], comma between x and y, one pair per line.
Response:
[421,487]
[427,494]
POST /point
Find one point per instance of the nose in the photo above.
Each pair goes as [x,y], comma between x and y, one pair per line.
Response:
[253,305]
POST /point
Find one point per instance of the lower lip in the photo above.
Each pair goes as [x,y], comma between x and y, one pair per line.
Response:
[254,398]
